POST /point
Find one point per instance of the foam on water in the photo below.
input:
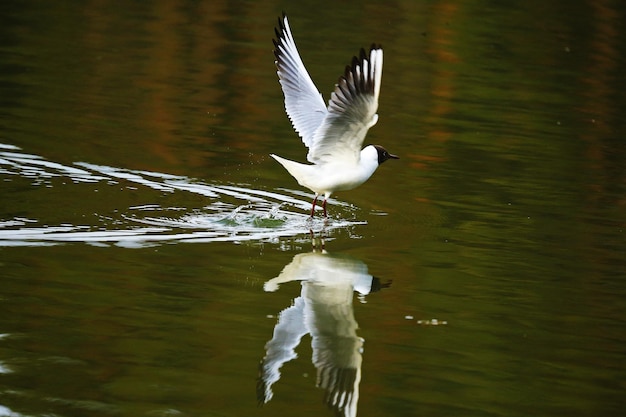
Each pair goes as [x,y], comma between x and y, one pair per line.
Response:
[234,213]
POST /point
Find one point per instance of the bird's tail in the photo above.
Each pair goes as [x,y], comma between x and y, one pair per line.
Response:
[297,170]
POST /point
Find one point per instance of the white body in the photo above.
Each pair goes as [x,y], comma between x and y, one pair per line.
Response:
[324,179]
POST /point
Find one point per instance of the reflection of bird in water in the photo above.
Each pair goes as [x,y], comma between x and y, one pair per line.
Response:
[323,310]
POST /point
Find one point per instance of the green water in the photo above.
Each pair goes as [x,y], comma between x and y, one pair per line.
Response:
[482,274]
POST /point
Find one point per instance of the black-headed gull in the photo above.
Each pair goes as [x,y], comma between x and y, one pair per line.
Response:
[333,134]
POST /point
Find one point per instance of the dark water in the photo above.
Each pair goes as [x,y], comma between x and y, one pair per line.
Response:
[156,262]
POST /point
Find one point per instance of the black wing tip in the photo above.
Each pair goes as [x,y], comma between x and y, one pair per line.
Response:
[281,21]
[281,32]
[361,81]
[281,29]
[362,55]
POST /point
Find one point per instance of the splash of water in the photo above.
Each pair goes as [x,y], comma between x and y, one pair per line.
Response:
[235,213]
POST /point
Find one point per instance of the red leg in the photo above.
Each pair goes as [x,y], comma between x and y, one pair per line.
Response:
[313,208]
[324,205]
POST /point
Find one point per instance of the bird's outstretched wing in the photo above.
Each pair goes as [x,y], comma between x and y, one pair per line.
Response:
[303,102]
[351,110]
[336,132]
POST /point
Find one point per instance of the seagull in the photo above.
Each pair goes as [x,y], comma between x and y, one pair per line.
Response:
[334,134]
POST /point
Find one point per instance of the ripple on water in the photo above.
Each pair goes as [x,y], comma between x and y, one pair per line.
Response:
[235,213]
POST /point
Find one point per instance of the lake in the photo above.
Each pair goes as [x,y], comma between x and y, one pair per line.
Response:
[156,261]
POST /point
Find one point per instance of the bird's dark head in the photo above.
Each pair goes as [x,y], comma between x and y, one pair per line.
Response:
[383,155]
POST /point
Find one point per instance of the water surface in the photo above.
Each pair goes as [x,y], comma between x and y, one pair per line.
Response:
[156,262]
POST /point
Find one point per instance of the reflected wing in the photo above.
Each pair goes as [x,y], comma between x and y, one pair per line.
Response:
[281,349]
[303,102]
[341,386]
[336,347]
[351,110]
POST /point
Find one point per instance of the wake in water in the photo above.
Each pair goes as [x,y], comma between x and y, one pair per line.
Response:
[234,213]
